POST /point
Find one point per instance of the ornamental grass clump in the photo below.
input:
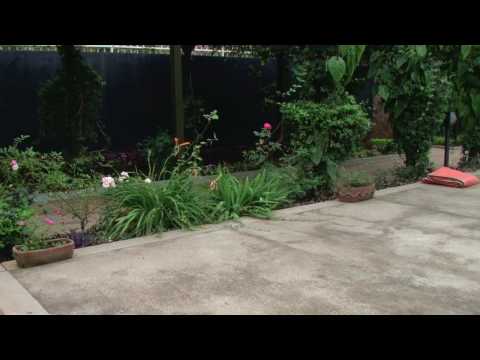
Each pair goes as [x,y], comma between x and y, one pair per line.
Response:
[136,208]
[232,198]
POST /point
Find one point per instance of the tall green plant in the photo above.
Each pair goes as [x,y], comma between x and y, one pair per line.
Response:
[70,104]
[416,93]
[322,135]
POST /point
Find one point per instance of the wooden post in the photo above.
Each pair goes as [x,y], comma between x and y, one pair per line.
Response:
[176,74]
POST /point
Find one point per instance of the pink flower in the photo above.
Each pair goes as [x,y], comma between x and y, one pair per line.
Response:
[267,126]
[49,221]
[108,182]
[14,165]
[58,212]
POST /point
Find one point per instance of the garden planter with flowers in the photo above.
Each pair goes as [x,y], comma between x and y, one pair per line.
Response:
[37,248]
[53,251]
[355,187]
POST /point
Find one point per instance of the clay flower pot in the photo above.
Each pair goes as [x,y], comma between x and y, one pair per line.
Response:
[356,194]
[26,259]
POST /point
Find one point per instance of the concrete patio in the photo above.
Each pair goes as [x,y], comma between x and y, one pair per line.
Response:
[411,250]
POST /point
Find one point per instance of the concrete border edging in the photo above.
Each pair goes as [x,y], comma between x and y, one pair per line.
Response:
[15,299]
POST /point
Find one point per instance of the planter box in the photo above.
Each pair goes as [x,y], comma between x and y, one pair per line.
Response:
[26,259]
[356,194]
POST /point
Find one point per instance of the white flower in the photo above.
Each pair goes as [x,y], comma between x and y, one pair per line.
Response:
[108,182]
[148,181]
[125,175]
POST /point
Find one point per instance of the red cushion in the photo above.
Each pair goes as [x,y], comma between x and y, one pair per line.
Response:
[453,178]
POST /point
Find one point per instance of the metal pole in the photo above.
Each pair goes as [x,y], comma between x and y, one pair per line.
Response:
[447,141]
[177,87]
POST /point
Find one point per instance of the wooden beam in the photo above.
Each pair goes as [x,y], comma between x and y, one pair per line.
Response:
[176,74]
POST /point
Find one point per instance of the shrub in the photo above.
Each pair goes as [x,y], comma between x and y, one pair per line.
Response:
[416,93]
[384,146]
[265,148]
[257,197]
[136,208]
[321,135]
[14,211]
[70,104]
[157,147]
[31,169]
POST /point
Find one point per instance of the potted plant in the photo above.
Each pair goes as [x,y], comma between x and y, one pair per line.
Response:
[38,249]
[355,186]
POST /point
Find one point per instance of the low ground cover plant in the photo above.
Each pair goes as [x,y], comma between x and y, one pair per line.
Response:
[384,146]
[353,179]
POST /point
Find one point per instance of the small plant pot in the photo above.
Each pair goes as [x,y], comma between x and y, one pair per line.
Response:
[356,194]
[27,259]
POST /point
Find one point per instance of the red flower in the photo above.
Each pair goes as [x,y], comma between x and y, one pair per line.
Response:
[267,126]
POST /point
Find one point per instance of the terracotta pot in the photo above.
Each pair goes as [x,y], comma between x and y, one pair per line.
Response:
[356,194]
[26,259]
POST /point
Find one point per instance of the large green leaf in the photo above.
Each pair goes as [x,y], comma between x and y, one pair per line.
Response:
[383,92]
[421,50]
[475,97]
[337,68]
[352,54]
[465,51]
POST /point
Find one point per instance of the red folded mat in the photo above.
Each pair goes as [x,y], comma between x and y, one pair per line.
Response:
[453,178]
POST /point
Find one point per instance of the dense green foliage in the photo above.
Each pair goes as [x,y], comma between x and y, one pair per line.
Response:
[462,63]
[384,146]
[36,171]
[70,104]
[321,135]
[417,95]
[15,210]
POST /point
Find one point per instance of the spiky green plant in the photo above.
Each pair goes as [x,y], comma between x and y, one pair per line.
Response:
[137,209]
[257,197]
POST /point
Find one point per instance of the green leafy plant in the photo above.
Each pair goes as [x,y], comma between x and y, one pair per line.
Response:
[189,154]
[265,148]
[31,169]
[136,208]
[322,135]
[232,198]
[156,149]
[417,94]
[15,211]
[348,179]
[384,146]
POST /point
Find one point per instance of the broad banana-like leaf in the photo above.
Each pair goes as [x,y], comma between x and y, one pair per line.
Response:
[465,50]
[352,55]
[383,92]
[337,68]
[475,98]
[421,50]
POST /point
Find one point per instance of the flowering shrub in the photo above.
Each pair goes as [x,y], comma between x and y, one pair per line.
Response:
[31,169]
[265,148]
